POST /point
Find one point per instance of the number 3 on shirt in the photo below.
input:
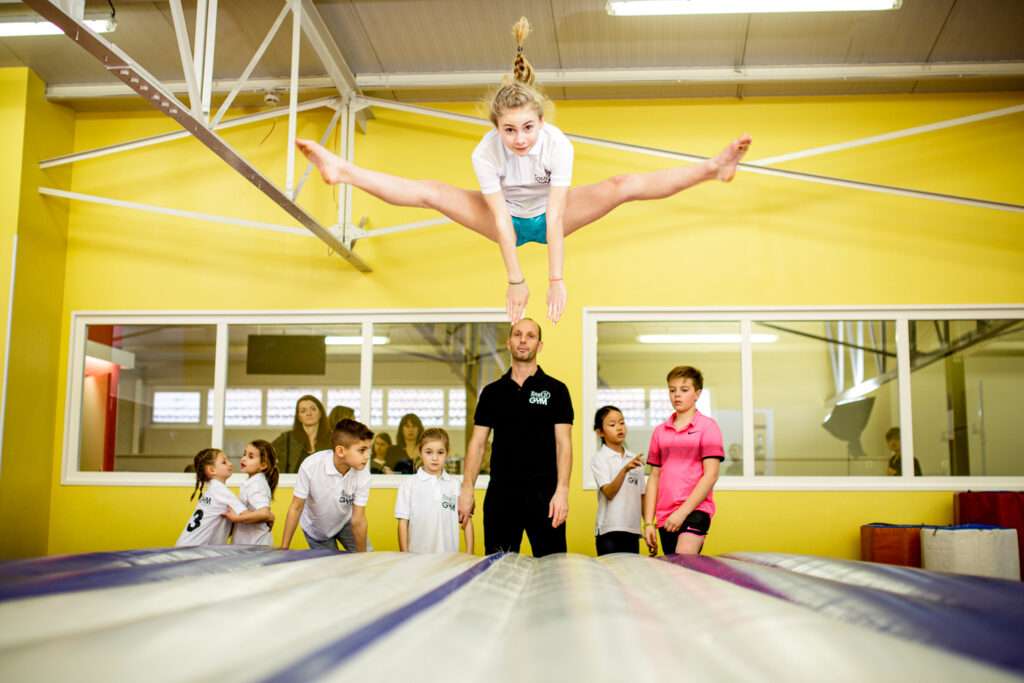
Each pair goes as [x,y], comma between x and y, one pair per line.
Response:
[197,519]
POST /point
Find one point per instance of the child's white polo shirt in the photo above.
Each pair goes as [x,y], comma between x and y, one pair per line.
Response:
[255,493]
[329,494]
[623,512]
[431,505]
[525,180]
[207,525]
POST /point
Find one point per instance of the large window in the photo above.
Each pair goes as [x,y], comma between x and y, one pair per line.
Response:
[820,398]
[148,392]
[142,390]
[430,375]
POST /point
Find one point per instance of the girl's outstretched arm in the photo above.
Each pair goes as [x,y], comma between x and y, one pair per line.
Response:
[556,252]
[518,293]
[250,516]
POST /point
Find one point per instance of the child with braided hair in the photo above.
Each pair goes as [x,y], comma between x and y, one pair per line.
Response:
[524,167]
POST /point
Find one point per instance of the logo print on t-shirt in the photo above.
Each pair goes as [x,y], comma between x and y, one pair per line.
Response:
[540,397]
[543,179]
[346,498]
[447,502]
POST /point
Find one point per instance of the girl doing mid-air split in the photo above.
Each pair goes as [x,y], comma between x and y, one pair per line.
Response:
[524,167]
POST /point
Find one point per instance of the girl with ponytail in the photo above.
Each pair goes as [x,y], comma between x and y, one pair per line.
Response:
[524,167]
[253,526]
[208,525]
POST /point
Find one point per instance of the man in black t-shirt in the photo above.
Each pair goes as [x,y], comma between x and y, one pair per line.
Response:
[531,457]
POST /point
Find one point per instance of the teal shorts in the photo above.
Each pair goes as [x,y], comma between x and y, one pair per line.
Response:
[531,229]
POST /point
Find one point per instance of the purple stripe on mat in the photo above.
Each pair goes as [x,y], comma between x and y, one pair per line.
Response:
[40,566]
[720,570]
[330,656]
[126,576]
[990,637]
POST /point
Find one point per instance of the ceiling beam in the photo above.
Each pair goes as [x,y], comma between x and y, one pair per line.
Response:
[591,77]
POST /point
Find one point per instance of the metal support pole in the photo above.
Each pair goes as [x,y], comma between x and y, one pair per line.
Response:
[293,99]
[211,42]
[185,52]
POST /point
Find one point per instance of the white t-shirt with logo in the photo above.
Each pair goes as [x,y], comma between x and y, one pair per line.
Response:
[329,494]
[431,505]
[255,493]
[623,512]
[524,180]
[207,525]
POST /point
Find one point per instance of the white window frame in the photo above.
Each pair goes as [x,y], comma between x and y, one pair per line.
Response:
[901,315]
[71,475]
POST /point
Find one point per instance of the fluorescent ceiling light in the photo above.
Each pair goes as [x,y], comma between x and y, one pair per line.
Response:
[354,341]
[644,8]
[704,338]
[10,29]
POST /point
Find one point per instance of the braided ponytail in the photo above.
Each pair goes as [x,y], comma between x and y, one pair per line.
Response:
[522,70]
[517,89]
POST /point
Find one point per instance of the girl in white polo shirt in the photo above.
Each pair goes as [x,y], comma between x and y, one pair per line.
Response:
[524,167]
[427,503]
[260,462]
[207,525]
[620,486]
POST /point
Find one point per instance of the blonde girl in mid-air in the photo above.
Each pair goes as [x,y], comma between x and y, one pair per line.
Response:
[524,167]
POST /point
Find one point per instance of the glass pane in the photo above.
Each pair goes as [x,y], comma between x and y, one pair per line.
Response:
[433,372]
[633,359]
[272,367]
[966,381]
[825,397]
[143,396]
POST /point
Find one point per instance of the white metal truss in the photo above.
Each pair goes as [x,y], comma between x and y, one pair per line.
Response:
[353,106]
[138,79]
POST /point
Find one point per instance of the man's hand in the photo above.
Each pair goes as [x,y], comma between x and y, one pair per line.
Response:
[515,301]
[558,508]
[467,503]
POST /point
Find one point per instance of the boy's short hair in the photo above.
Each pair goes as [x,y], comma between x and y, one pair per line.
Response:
[686,372]
[434,434]
[893,433]
[347,432]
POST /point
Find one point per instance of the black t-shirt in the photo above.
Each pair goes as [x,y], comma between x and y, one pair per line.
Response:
[523,419]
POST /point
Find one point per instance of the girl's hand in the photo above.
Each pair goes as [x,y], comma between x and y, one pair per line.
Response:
[230,514]
[515,301]
[637,461]
[556,299]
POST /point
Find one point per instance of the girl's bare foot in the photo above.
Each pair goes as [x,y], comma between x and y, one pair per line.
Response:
[725,163]
[330,165]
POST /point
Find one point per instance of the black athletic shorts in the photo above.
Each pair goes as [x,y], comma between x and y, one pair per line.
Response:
[617,542]
[697,522]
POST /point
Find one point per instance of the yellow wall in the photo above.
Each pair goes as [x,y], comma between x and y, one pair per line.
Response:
[34,377]
[758,242]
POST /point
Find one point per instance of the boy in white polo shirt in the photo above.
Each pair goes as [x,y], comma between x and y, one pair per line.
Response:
[331,492]
[427,503]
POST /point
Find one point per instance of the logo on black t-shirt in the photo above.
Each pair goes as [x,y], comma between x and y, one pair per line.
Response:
[540,397]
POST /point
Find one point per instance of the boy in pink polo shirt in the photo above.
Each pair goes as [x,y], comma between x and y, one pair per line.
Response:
[685,454]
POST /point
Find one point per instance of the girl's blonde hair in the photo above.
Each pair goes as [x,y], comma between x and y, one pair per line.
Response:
[434,434]
[517,88]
